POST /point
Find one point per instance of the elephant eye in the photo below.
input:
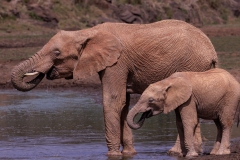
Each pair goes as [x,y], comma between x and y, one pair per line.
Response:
[57,52]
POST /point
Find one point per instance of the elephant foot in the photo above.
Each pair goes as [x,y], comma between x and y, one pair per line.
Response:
[198,148]
[128,150]
[215,148]
[175,152]
[114,153]
[213,152]
[192,154]
[223,151]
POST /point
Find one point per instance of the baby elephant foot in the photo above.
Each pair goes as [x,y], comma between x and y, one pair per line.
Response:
[215,148]
[175,151]
[198,148]
[192,154]
[128,150]
[223,151]
[213,152]
[114,153]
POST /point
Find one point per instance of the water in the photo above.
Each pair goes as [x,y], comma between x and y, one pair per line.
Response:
[53,124]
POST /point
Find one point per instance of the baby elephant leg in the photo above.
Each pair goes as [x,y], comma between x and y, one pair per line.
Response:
[198,139]
[190,122]
[180,150]
[226,119]
[225,143]
[179,147]
[225,140]
[219,137]
[189,139]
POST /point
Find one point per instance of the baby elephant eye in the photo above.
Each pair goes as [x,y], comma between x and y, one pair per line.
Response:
[150,100]
[57,52]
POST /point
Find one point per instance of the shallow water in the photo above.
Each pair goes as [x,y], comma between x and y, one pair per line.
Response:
[53,124]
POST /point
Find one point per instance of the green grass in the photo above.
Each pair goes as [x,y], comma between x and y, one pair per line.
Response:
[17,53]
[33,43]
[228,48]
[226,43]
[229,60]
[25,39]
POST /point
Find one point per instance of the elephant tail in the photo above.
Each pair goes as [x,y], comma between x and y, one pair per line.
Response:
[214,63]
[238,108]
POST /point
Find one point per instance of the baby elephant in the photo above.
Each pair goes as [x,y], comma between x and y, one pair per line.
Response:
[214,94]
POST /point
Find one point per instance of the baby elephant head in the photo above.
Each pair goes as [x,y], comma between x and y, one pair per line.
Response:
[163,96]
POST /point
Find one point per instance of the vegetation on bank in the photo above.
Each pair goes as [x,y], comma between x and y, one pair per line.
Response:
[32,15]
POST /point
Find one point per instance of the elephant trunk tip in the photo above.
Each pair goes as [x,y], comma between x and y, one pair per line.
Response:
[132,115]
[19,82]
[132,124]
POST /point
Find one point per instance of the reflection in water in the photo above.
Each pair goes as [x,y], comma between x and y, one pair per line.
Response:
[69,125]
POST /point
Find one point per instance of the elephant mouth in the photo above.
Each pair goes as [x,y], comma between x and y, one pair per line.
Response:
[70,77]
[33,77]
[147,114]
[52,74]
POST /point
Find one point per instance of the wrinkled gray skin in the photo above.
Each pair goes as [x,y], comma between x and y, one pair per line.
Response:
[214,94]
[127,58]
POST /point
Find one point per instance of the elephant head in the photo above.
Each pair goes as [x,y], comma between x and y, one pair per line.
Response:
[68,54]
[163,96]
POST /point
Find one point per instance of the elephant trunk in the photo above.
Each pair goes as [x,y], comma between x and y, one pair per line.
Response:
[22,70]
[132,114]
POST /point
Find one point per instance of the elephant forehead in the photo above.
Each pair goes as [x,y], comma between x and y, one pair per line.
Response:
[58,42]
[152,91]
[156,87]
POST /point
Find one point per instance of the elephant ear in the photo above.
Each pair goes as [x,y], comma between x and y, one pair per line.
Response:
[178,91]
[99,51]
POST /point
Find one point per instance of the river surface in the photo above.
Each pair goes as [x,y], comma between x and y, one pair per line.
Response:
[67,124]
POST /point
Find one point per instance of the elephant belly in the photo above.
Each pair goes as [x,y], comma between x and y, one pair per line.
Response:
[207,112]
[138,85]
[137,82]
[136,88]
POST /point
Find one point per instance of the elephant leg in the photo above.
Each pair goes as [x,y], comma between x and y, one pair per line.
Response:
[189,138]
[226,123]
[198,139]
[126,132]
[176,149]
[179,147]
[112,131]
[219,137]
[114,100]
[226,119]
[190,121]
[225,142]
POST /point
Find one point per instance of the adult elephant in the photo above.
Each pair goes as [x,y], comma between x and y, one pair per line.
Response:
[128,57]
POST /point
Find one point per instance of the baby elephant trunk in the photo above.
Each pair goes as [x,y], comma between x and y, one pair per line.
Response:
[132,114]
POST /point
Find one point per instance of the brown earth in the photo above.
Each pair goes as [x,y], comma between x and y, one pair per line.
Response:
[84,13]
[94,82]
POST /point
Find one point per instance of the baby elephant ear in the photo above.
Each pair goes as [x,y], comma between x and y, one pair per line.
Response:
[100,51]
[178,92]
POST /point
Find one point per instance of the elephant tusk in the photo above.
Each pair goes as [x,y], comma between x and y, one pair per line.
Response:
[31,74]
